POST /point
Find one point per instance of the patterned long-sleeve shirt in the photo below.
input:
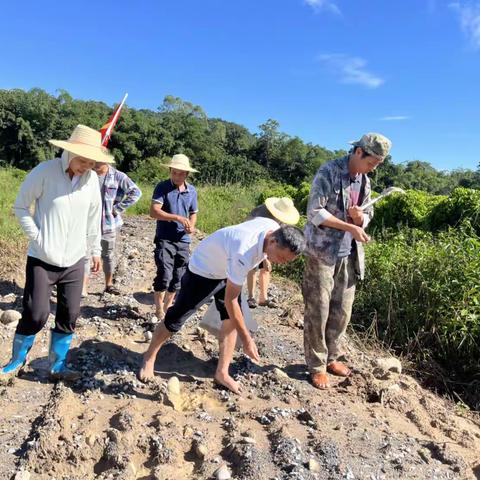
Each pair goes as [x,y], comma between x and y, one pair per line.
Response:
[329,195]
[118,193]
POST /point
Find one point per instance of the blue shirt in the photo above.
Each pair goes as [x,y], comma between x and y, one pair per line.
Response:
[177,203]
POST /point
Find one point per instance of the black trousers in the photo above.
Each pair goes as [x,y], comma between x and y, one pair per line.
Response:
[195,290]
[40,279]
[171,259]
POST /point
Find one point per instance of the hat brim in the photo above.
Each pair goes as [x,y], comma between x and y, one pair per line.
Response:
[289,218]
[179,167]
[358,143]
[87,151]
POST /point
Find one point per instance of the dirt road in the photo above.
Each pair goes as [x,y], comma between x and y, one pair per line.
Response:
[111,426]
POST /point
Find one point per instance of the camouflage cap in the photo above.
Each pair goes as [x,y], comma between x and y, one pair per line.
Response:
[375,144]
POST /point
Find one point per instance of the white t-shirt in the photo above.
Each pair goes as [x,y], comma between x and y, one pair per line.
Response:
[232,252]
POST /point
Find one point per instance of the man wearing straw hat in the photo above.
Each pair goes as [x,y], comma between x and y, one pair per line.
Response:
[284,212]
[174,206]
[67,213]
[337,215]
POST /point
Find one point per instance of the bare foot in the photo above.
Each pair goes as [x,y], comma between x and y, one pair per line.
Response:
[146,372]
[339,369]
[228,382]
[320,380]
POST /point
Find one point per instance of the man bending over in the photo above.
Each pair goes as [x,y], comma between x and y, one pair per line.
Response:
[218,267]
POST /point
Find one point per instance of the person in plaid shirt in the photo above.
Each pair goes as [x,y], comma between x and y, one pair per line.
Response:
[118,192]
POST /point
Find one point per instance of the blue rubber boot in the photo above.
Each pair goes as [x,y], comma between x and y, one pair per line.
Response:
[21,346]
[59,346]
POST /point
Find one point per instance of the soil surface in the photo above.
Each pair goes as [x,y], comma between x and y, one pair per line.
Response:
[108,425]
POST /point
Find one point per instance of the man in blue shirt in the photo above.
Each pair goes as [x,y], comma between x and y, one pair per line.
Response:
[174,206]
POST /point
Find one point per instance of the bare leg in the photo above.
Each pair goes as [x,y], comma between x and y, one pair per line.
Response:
[108,279]
[263,283]
[227,341]
[159,298]
[160,336]
[251,277]
[168,301]
[85,286]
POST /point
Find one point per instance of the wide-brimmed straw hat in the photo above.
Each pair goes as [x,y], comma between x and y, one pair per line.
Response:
[283,210]
[180,162]
[85,142]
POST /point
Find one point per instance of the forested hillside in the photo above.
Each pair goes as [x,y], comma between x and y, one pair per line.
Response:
[224,152]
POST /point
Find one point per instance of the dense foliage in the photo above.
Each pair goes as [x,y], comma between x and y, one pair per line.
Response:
[422,296]
[223,151]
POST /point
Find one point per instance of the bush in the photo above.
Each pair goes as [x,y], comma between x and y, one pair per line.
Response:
[411,209]
[463,205]
[277,190]
[149,170]
[422,293]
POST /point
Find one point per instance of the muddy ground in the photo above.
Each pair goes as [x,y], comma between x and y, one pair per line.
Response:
[373,425]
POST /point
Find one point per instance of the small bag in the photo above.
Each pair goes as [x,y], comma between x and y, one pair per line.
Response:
[211,320]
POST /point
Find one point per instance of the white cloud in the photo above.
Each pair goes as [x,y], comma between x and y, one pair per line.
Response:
[395,118]
[319,5]
[350,69]
[469,14]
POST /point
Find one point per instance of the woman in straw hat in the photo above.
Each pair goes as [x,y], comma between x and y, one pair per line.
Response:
[283,211]
[174,206]
[67,214]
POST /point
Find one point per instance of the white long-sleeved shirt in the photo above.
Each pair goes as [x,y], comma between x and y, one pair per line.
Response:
[66,216]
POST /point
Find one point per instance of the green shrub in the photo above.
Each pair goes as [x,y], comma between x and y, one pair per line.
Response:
[463,205]
[411,209]
[301,197]
[277,190]
[221,206]
[423,295]
[149,170]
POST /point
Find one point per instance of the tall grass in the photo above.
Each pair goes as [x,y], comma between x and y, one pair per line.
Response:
[422,296]
[12,240]
[219,206]
[10,180]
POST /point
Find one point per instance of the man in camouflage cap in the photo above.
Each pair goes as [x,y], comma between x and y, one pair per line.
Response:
[335,233]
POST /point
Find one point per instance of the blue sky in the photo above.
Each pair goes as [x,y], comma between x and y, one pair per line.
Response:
[327,70]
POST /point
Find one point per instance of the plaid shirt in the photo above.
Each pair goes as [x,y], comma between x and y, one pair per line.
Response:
[118,193]
[329,195]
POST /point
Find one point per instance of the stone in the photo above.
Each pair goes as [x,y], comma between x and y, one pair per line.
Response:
[173,385]
[131,470]
[223,473]
[314,466]
[90,440]
[10,316]
[22,475]
[386,365]
[148,336]
[200,449]
[174,396]
[249,440]
[279,373]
